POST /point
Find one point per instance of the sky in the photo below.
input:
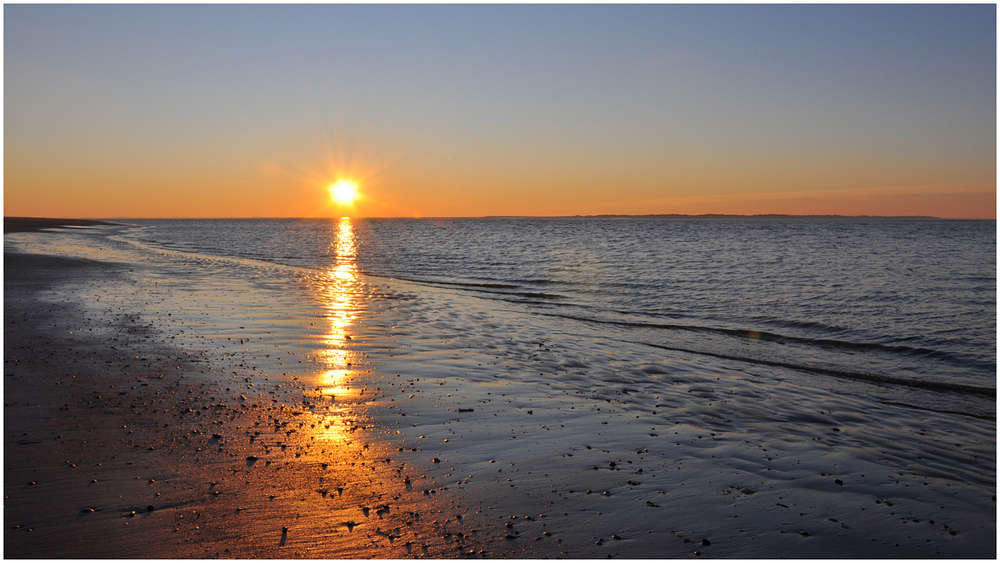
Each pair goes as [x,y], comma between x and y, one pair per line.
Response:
[143,111]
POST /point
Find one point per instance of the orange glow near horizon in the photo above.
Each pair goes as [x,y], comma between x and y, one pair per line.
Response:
[396,196]
[372,176]
[381,175]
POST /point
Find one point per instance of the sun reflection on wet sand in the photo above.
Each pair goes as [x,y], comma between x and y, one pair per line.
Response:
[339,294]
[340,291]
[336,459]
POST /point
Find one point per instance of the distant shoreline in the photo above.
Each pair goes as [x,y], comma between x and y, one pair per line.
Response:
[725,216]
[28,224]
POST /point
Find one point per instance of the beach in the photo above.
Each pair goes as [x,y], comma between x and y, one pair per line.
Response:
[155,408]
[638,281]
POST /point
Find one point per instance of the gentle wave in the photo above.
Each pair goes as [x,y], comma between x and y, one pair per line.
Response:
[480,287]
[764,336]
[870,377]
[753,335]
[906,302]
[747,333]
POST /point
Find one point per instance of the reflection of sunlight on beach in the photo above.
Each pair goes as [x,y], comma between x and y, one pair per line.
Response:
[333,423]
[344,434]
[332,383]
[339,294]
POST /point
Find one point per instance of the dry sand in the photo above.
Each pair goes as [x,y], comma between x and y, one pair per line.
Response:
[456,431]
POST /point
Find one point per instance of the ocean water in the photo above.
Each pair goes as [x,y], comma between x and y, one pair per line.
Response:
[901,304]
[906,302]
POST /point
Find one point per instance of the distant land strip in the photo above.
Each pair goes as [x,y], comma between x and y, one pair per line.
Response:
[31,224]
[715,215]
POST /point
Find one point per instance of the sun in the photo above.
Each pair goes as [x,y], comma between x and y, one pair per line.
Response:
[344,192]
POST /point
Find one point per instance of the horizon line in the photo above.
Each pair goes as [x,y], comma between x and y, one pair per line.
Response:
[595,216]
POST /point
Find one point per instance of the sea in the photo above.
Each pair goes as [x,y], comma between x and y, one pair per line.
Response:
[906,305]
[838,369]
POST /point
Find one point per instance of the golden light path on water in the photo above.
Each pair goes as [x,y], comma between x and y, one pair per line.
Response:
[339,294]
[359,503]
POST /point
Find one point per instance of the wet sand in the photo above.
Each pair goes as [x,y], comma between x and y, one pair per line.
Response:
[116,446]
[135,428]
